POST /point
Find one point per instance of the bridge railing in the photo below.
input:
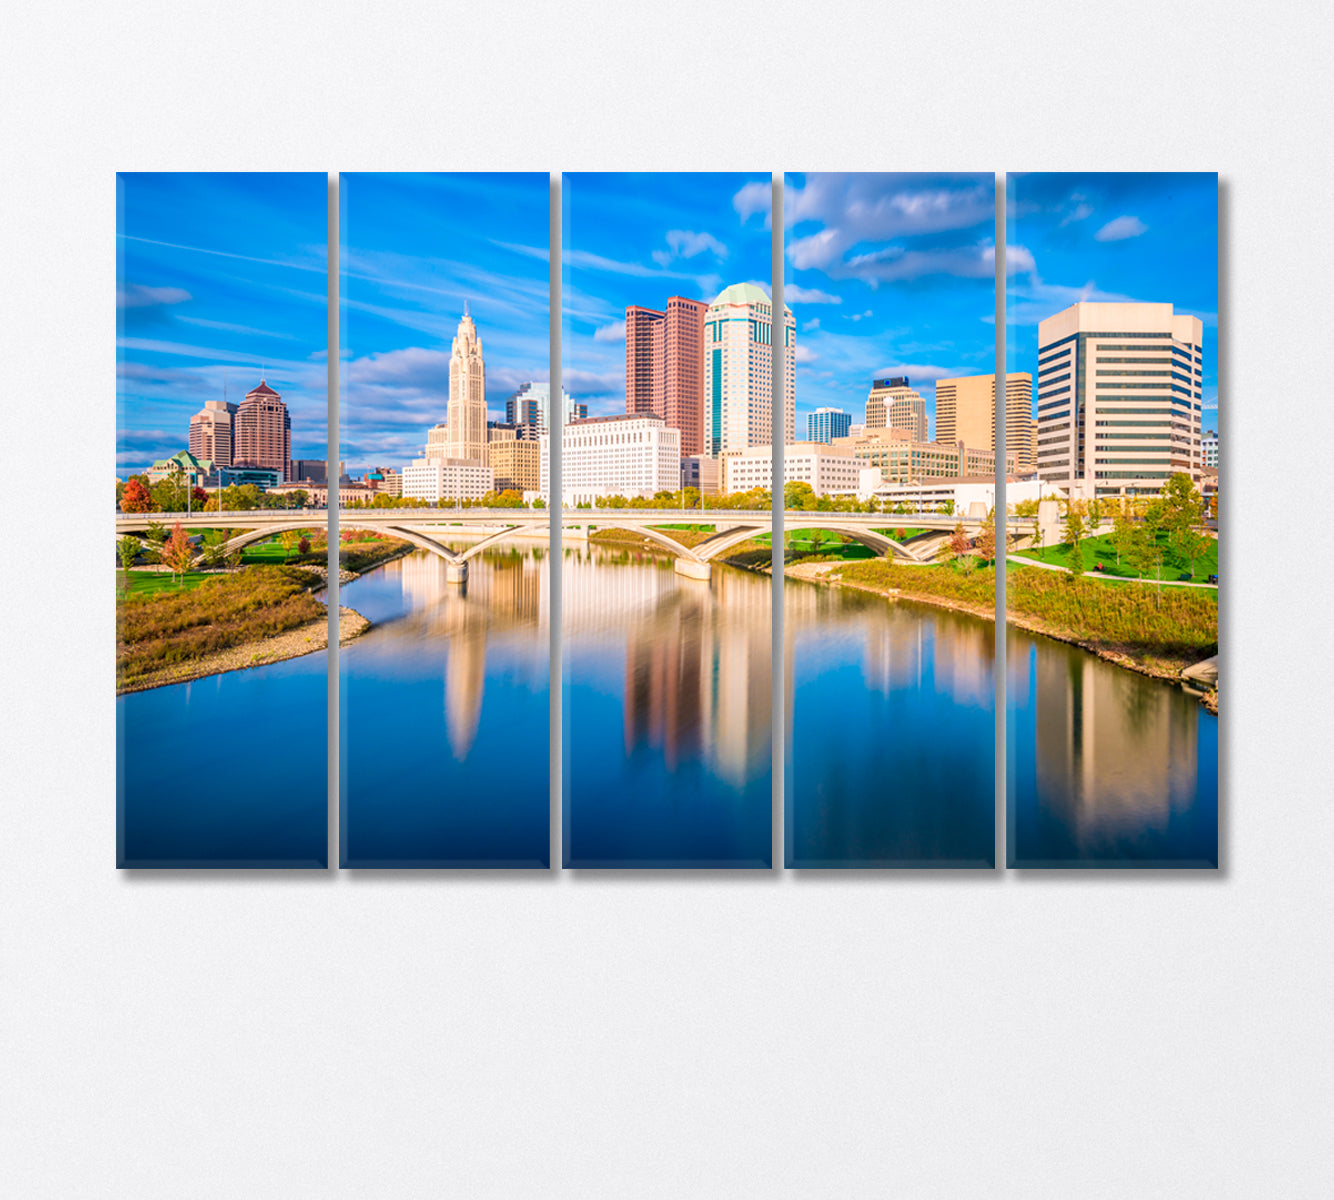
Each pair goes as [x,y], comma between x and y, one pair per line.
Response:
[694,516]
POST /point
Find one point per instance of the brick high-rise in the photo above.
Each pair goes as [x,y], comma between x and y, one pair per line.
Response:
[263,431]
[664,366]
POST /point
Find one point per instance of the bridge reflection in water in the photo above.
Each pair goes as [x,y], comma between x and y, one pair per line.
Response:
[668,703]
[446,714]
[1108,768]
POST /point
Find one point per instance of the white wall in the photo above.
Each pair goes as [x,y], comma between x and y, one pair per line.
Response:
[768,1035]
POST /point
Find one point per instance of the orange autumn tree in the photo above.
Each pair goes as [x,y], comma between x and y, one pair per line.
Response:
[136,498]
[177,553]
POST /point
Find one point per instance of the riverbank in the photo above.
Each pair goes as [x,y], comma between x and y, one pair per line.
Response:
[305,639]
[1164,659]
[253,616]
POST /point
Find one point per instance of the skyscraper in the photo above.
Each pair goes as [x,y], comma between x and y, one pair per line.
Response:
[738,371]
[1119,397]
[664,366]
[892,404]
[527,410]
[467,394]
[966,412]
[825,424]
[213,433]
[263,432]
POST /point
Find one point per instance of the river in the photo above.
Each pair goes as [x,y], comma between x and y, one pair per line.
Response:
[667,718]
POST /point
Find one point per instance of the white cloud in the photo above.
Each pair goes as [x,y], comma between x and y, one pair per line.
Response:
[686,243]
[804,354]
[1081,212]
[796,294]
[137,295]
[812,324]
[861,316]
[754,198]
[1120,228]
[615,332]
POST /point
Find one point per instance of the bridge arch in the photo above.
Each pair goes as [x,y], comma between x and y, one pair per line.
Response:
[265,532]
[870,538]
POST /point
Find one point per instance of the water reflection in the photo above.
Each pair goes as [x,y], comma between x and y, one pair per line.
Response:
[256,792]
[668,710]
[892,740]
[1108,767]
[445,747]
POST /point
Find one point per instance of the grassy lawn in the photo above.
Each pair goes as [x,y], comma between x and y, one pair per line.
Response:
[1102,550]
[271,553]
[154,583]
[155,630]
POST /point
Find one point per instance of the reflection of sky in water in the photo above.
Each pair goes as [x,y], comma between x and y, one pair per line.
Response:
[892,742]
[254,791]
[445,708]
[667,713]
[1107,767]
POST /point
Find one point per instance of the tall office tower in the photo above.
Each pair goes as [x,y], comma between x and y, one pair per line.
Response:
[212,432]
[664,366]
[738,371]
[825,424]
[966,412]
[467,394]
[263,432]
[643,360]
[892,404]
[1119,397]
[527,410]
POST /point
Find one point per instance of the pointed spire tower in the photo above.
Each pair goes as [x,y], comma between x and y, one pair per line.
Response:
[467,393]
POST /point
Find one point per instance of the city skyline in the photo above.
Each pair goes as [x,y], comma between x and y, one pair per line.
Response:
[637,240]
[414,251]
[888,275]
[220,282]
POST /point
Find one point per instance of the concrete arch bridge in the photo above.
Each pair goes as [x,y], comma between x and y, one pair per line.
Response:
[431,529]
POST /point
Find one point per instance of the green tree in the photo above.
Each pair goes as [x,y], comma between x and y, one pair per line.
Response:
[1181,503]
[1191,545]
[798,495]
[289,539]
[127,550]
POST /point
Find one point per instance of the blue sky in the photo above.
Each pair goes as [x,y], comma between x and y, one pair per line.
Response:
[414,249]
[638,239]
[888,275]
[1105,237]
[218,274]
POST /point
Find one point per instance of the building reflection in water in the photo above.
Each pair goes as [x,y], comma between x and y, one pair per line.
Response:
[696,657]
[509,594]
[890,732]
[1117,755]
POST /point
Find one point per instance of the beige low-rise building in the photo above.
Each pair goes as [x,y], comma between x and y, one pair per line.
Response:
[516,465]
[966,412]
[902,459]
